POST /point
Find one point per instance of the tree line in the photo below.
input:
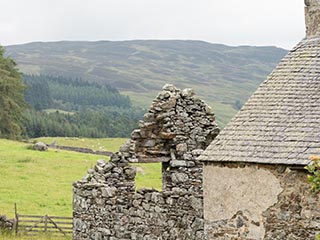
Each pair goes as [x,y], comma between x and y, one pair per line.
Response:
[89,109]
[35,106]
[45,91]
[88,123]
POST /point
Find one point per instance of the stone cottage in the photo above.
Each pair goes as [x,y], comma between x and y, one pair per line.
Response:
[175,131]
[255,185]
[250,183]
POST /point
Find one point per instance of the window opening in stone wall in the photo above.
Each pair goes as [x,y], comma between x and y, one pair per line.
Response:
[149,171]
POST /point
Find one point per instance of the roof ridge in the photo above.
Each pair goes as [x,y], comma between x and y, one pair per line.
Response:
[288,94]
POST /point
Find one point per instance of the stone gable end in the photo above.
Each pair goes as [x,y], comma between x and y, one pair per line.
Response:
[175,131]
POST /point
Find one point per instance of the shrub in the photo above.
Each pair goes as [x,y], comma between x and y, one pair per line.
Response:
[314,170]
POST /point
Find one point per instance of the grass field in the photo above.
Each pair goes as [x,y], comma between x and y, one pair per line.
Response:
[38,237]
[107,144]
[41,182]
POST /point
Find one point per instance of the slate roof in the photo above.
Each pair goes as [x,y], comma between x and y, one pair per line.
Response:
[280,123]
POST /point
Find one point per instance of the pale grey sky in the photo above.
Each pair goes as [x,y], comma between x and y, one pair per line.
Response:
[232,22]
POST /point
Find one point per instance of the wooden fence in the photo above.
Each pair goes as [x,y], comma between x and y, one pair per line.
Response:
[36,224]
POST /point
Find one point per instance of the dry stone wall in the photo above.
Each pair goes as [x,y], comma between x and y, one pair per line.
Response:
[6,225]
[174,131]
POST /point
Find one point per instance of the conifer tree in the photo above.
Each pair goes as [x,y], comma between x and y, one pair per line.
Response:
[12,101]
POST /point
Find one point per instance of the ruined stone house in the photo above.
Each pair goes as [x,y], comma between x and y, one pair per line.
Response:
[255,185]
[175,131]
[250,183]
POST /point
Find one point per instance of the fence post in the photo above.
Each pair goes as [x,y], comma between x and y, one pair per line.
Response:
[16,219]
[45,223]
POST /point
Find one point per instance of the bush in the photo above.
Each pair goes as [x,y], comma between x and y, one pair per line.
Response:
[314,170]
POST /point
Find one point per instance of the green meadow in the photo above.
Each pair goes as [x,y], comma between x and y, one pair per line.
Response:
[41,182]
[106,144]
[37,237]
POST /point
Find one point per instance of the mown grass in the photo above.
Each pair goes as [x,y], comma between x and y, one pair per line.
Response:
[41,182]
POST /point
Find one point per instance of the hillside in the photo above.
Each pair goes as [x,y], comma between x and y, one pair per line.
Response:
[224,76]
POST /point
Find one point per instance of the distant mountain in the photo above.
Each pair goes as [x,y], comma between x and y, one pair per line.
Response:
[224,76]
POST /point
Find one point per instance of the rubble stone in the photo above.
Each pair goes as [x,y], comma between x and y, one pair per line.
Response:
[6,225]
[40,146]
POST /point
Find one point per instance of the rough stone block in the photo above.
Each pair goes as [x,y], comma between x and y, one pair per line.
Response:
[182,148]
[178,163]
[40,146]
[148,143]
[169,87]
[108,191]
[179,177]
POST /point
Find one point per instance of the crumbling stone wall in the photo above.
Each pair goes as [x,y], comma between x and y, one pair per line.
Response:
[284,209]
[174,131]
[296,215]
[6,225]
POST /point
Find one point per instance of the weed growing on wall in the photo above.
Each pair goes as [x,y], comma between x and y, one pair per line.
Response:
[314,170]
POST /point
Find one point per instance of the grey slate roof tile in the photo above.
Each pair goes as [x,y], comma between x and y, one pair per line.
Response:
[280,123]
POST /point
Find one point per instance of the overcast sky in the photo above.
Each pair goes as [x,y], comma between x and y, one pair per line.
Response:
[232,22]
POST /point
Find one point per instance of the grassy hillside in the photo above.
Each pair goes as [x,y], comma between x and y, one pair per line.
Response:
[220,74]
[41,182]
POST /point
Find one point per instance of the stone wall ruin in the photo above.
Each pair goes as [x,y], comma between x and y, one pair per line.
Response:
[175,131]
[259,201]
[6,225]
